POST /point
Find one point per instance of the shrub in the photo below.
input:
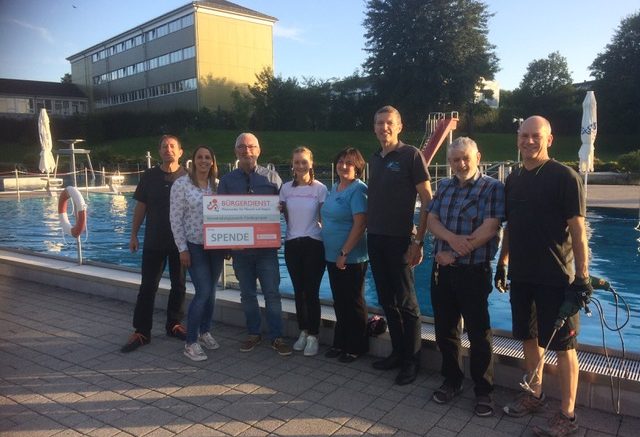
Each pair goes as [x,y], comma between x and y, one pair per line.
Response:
[630,161]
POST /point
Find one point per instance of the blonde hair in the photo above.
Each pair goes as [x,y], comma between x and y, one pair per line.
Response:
[303,149]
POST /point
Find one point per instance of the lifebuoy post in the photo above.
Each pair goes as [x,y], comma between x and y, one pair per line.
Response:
[80,210]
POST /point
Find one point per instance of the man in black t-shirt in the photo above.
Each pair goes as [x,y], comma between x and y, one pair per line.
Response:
[397,173]
[152,196]
[545,245]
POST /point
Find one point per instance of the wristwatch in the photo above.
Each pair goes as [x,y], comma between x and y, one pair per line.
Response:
[343,253]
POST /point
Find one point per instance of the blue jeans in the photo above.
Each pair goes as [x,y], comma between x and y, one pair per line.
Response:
[259,264]
[206,266]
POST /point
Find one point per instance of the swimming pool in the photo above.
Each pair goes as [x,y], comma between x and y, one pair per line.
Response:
[32,224]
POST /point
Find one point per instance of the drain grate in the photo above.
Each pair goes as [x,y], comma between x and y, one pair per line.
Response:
[590,362]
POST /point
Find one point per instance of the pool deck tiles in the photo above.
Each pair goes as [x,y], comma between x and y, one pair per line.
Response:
[614,196]
[62,374]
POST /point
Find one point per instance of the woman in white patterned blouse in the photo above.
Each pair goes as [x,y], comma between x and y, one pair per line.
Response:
[204,266]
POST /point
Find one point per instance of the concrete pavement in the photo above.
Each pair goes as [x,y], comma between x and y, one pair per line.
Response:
[613,196]
[61,373]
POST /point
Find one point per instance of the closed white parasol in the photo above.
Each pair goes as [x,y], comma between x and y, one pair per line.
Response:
[47,162]
[588,131]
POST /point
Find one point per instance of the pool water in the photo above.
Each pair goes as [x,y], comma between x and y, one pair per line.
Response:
[32,224]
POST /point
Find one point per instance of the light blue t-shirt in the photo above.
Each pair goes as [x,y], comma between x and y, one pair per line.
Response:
[337,219]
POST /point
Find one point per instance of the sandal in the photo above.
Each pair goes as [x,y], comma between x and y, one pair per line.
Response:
[484,406]
[445,393]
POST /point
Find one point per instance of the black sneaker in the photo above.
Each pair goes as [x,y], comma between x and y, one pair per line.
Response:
[178,331]
[135,341]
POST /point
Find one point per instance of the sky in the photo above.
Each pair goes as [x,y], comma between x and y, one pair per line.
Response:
[323,39]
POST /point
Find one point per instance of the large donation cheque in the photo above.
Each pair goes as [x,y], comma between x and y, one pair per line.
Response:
[241,221]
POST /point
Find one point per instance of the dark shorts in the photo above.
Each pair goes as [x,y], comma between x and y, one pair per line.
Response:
[534,310]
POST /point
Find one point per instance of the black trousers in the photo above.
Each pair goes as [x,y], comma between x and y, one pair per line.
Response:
[463,290]
[347,288]
[396,293]
[153,264]
[305,261]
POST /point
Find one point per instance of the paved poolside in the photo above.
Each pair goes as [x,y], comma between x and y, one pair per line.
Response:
[61,373]
[614,196]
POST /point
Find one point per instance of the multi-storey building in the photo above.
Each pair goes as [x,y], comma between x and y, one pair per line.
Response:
[189,58]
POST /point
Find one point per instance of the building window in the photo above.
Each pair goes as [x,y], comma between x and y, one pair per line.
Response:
[187,20]
[189,52]
[162,31]
[16,105]
[164,60]
[149,35]
[175,57]
[169,58]
[175,25]
[151,92]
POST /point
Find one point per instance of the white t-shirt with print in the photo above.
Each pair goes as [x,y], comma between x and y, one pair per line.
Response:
[303,209]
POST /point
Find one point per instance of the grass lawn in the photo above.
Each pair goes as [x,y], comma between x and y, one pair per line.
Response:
[277,146]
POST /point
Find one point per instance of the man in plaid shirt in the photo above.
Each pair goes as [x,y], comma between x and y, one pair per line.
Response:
[465,217]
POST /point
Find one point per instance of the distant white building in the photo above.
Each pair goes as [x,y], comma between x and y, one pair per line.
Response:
[492,101]
[25,98]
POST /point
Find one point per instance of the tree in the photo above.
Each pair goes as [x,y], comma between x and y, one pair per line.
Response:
[242,108]
[546,89]
[66,78]
[427,55]
[353,103]
[617,70]
[546,76]
[283,104]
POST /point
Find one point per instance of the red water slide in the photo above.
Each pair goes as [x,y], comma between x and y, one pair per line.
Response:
[441,126]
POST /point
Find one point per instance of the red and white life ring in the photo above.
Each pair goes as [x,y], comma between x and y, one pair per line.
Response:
[79,207]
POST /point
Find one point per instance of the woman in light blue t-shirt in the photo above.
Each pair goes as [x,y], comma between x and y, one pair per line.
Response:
[344,220]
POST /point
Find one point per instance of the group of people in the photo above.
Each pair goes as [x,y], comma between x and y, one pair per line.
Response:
[537,216]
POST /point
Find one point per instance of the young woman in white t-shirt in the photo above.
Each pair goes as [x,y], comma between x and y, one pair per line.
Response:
[303,249]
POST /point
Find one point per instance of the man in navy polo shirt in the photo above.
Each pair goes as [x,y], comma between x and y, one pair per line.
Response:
[397,173]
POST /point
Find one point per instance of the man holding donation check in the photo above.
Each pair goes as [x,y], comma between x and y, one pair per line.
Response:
[256,264]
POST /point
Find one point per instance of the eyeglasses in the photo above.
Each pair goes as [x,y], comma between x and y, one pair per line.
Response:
[247,179]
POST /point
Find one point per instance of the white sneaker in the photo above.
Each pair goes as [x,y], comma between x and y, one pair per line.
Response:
[194,352]
[311,348]
[208,341]
[300,344]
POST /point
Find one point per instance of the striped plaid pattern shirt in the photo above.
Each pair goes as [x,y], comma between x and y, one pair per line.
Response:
[462,209]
